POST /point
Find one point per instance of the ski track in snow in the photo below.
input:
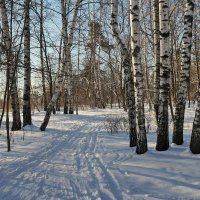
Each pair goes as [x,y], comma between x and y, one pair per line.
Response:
[67,168]
[77,159]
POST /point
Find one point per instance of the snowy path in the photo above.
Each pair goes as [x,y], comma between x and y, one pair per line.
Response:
[76,159]
[65,168]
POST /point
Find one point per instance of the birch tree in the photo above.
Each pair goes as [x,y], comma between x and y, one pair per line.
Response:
[184,76]
[42,56]
[126,62]
[139,77]
[195,137]
[156,56]
[65,53]
[68,41]
[69,62]
[163,127]
[11,65]
[60,79]
[27,66]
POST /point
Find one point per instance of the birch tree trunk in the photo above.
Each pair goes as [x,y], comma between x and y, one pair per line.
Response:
[195,137]
[27,67]
[185,71]
[126,63]
[139,77]
[156,57]
[99,84]
[42,57]
[163,127]
[69,45]
[70,78]
[68,41]
[4,104]
[64,4]
[49,71]
[12,68]
[60,79]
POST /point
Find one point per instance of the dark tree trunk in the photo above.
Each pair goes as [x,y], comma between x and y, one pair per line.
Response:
[27,68]
[195,137]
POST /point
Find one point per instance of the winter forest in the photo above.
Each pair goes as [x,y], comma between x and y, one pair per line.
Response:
[99,100]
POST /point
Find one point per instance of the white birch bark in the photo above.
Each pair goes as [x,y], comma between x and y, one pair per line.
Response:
[70,80]
[65,52]
[127,72]
[156,56]
[100,91]
[12,68]
[163,127]
[69,45]
[185,71]
[27,67]
[138,77]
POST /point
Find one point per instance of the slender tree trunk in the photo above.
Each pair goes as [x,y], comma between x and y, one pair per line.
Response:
[42,57]
[65,54]
[78,70]
[171,106]
[122,88]
[114,83]
[27,67]
[49,71]
[147,95]
[58,103]
[185,71]
[60,79]
[70,79]
[99,84]
[156,57]
[195,137]
[69,45]
[43,85]
[16,125]
[7,112]
[139,77]
[129,84]
[66,102]
[126,63]
[146,72]
[163,127]
[4,104]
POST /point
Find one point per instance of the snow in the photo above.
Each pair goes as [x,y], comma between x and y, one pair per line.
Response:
[77,159]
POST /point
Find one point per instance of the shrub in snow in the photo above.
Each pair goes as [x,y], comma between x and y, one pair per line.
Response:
[115,123]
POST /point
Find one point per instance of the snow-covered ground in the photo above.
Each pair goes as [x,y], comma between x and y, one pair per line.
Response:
[76,159]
